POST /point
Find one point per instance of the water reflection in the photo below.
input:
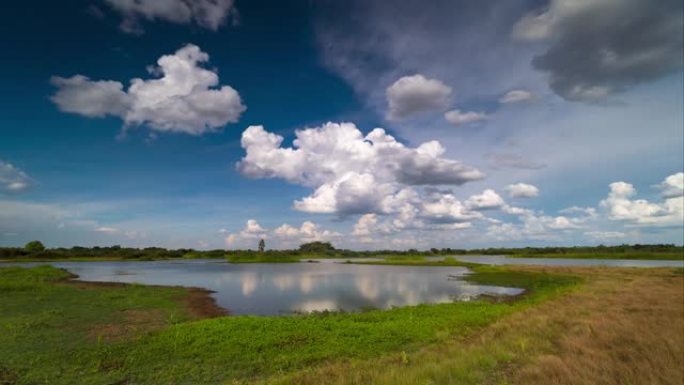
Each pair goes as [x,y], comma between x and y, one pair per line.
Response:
[267,289]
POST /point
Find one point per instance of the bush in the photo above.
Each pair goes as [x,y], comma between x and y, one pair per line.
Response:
[317,247]
[34,246]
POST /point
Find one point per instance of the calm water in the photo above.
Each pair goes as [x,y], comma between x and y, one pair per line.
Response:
[268,289]
[501,260]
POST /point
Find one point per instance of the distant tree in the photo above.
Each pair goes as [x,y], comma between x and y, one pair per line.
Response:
[316,247]
[34,246]
[262,245]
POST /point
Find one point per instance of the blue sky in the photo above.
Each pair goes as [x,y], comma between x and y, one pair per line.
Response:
[509,123]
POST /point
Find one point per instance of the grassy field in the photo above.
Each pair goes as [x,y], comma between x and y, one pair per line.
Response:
[65,333]
[663,255]
[56,332]
[52,331]
[621,326]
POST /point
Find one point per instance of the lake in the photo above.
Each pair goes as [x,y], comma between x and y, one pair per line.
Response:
[285,288]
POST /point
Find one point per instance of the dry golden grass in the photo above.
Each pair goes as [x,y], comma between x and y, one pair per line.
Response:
[622,327]
[628,328]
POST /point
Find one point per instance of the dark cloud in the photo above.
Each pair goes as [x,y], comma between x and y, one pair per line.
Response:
[601,47]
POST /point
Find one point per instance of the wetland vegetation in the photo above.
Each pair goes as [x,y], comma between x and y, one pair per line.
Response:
[58,330]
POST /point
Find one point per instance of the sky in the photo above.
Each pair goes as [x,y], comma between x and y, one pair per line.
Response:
[370,124]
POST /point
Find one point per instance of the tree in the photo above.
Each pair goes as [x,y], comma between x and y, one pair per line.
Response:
[262,245]
[34,246]
[316,247]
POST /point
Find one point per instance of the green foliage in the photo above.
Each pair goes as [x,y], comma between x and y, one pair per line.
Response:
[34,246]
[326,250]
[317,247]
[262,245]
[106,253]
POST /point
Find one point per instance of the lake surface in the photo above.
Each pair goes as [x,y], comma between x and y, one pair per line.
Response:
[502,260]
[269,289]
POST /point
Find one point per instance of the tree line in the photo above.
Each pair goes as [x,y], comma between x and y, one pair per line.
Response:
[36,250]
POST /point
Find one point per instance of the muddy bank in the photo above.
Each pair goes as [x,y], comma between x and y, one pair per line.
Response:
[198,301]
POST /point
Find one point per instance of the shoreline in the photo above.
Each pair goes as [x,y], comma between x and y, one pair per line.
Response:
[198,301]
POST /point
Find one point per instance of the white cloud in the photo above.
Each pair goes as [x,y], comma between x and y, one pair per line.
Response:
[107,230]
[621,207]
[488,200]
[589,212]
[252,227]
[185,99]
[350,173]
[365,226]
[673,185]
[411,95]
[446,208]
[284,235]
[562,223]
[209,14]
[457,117]
[95,99]
[516,210]
[12,179]
[249,233]
[522,190]
[307,232]
[534,226]
[516,96]
[605,235]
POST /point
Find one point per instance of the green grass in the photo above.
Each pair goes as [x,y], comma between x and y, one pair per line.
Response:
[46,332]
[48,328]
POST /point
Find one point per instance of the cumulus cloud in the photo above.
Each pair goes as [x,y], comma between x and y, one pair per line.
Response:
[621,207]
[446,208]
[307,232]
[251,231]
[365,226]
[488,200]
[350,173]
[522,190]
[600,47]
[516,96]
[12,179]
[252,227]
[673,185]
[209,14]
[186,98]
[284,235]
[535,226]
[412,95]
[563,223]
[457,117]
[95,99]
